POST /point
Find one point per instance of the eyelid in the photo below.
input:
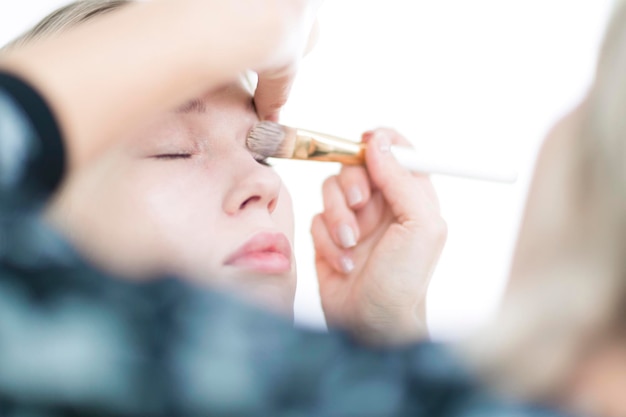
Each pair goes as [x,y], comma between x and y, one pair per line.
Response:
[174,155]
[174,149]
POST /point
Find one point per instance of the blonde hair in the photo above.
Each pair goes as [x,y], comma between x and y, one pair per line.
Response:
[559,314]
[67,17]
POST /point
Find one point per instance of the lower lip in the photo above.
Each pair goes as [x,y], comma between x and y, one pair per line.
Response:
[263,262]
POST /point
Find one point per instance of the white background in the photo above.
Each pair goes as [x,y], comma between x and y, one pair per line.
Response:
[483,79]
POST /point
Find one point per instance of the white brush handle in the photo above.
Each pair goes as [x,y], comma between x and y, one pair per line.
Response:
[411,159]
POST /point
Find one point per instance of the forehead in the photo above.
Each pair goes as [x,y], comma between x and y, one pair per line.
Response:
[237,94]
[227,112]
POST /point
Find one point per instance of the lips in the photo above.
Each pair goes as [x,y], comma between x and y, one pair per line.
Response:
[266,253]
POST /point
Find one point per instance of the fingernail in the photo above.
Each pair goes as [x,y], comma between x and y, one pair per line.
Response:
[383,141]
[354,196]
[346,236]
[272,117]
[347,264]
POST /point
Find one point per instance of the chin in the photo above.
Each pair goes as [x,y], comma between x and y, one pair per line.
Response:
[274,293]
[277,297]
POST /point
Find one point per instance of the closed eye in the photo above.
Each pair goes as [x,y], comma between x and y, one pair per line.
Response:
[170,156]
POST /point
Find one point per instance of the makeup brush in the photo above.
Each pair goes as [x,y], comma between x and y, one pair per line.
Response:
[269,139]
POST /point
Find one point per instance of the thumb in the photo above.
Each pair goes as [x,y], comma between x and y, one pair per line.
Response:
[274,86]
[400,188]
[272,92]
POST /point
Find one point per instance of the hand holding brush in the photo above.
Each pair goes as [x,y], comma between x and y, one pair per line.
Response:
[377,243]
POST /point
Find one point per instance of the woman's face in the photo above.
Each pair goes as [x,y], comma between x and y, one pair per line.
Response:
[185,196]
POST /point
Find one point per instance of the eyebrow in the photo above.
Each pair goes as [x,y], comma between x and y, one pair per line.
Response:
[194,106]
[199,106]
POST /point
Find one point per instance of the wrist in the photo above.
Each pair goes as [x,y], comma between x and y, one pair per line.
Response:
[388,329]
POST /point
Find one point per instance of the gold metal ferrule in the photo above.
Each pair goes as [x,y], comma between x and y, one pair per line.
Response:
[322,147]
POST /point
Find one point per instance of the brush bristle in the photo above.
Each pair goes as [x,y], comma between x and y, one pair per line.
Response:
[271,140]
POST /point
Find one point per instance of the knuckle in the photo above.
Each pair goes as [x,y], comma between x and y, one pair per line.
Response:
[316,225]
[396,137]
[437,230]
[358,176]
[329,183]
[276,105]
[334,201]
[271,104]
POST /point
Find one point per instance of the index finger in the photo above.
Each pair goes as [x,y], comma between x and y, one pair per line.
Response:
[355,185]
[273,87]
[272,92]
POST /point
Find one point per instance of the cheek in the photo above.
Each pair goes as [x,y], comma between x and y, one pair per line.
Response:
[185,203]
[117,214]
[283,215]
[180,210]
[97,203]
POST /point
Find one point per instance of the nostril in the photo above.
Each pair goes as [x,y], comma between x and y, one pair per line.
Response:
[272,205]
[252,199]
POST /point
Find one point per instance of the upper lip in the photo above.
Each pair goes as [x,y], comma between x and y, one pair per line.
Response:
[263,242]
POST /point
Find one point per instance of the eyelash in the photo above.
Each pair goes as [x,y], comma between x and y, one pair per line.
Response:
[170,156]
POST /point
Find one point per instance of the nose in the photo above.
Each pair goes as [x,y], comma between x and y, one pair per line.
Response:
[256,187]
